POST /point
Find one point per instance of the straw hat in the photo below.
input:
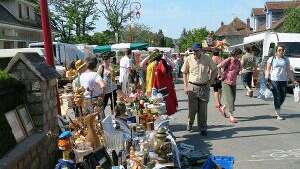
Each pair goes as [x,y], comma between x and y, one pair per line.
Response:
[80,64]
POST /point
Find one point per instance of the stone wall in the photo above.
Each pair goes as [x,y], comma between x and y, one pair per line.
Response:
[39,151]
[10,98]
[33,153]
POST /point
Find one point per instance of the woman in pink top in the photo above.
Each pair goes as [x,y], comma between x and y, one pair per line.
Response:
[231,68]
[217,86]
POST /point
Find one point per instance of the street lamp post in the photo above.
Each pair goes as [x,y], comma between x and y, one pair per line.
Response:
[135,7]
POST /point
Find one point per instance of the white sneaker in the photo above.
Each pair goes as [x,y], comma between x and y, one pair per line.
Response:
[279,117]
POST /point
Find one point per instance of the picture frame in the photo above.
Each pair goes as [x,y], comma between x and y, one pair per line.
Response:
[25,119]
[16,125]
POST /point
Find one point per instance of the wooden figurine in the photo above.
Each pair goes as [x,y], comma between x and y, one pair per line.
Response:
[92,137]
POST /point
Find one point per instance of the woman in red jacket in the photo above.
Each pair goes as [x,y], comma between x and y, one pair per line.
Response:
[163,82]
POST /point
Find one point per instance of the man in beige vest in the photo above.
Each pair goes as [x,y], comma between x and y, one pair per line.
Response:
[199,72]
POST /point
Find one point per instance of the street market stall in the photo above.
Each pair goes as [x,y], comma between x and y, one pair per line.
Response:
[136,136]
[120,47]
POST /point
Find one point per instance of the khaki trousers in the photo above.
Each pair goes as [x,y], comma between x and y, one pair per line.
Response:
[229,93]
[197,107]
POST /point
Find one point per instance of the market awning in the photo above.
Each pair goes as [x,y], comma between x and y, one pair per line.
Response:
[120,47]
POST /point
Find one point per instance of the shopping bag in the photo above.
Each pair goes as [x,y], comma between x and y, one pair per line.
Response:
[268,94]
[297,94]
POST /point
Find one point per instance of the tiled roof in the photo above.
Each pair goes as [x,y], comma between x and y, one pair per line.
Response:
[236,27]
[282,4]
[7,18]
[257,11]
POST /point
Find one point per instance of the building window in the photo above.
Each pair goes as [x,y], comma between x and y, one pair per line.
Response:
[27,11]
[21,44]
[20,10]
[9,44]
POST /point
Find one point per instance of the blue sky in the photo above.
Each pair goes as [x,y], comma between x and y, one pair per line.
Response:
[173,15]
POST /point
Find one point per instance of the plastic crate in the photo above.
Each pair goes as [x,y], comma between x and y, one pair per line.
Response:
[219,162]
[224,162]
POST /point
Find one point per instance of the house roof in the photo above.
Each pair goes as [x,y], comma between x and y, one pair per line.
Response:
[35,63]
[257,11]
[236,27]
[7,18]
[281,4]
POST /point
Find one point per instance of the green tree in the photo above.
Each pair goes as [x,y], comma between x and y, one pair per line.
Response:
[103,38]
[291,23]
[139,32]
[73,19]
[188,38]
[169,42]
[116,13]
[161,38]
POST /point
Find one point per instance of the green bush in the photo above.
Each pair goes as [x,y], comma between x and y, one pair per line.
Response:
[7,80]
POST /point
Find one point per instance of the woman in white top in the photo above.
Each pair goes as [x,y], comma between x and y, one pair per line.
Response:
[91,80]
[277,76]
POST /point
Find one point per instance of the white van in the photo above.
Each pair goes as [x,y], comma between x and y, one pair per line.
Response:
[63,53]
[266,42]
[7,54]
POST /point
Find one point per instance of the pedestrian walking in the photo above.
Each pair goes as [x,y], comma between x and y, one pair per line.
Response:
[199,72]
[231,68]
[106,72]
[249,65]
[277,74]
[125,68]
[217,85]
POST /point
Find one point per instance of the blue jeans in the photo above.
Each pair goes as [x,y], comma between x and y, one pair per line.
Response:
[279,92]
[247,79]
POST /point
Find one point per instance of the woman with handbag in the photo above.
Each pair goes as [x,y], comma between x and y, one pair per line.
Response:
[106,71]
[277,75]
[231,68]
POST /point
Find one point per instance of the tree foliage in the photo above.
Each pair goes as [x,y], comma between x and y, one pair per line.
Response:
[139,32]
[291,23]
[116,13]
[188,38]
[73,19]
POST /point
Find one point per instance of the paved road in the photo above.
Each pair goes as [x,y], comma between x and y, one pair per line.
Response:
[258,141]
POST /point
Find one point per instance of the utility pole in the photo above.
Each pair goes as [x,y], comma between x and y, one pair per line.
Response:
[48,41]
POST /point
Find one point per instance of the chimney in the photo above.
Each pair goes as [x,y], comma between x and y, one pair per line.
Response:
[248,23]
[222,23]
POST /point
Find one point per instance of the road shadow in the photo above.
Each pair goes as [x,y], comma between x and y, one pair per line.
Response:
[290,115]
[251,105]
[179,81]
[262,117]
[229,133]
[253,118]
[182,109]
[182,100]
[182,127]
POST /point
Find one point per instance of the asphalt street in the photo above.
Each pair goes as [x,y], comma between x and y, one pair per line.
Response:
[257,141]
